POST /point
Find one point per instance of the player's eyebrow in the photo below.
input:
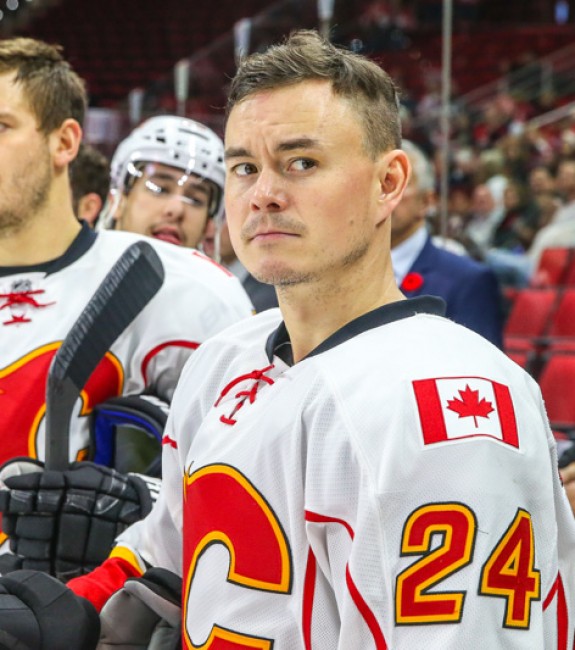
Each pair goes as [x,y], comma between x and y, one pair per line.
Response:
[236,152]
[298,143]
[287,145]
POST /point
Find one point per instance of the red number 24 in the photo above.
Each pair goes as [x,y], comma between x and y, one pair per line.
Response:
[508,573]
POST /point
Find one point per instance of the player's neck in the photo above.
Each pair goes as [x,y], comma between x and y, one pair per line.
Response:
[44,237]
[313,312]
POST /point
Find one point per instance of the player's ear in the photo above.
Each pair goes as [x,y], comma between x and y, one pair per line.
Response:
[64,142]
[394,173]
[89,207]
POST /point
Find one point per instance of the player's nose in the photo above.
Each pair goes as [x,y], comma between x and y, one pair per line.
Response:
[174,208]
[268,195]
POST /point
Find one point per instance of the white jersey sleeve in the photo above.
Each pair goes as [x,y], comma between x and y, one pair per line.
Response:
[398,488]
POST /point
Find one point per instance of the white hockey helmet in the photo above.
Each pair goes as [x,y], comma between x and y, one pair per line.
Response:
[170,140]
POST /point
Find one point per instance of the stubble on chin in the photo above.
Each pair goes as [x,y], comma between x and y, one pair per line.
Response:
[11,222]
[281,276]
[15,219]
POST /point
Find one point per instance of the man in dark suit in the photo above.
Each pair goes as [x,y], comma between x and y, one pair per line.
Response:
[469,288]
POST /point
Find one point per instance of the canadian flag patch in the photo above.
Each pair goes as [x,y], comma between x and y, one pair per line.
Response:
[452,408]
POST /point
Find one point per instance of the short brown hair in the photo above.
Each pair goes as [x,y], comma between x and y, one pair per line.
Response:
[304,56]
[54,91]
[89,172]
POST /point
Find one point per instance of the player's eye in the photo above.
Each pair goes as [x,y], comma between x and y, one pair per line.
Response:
[196,197]
[160,188]
[244,169]
[302,164]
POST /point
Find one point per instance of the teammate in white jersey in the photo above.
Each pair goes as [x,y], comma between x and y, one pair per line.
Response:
[51,265]
[353,470]
[166,179]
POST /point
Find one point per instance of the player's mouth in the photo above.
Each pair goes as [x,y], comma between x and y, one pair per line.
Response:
[270,229]
[168,234]
[269,236]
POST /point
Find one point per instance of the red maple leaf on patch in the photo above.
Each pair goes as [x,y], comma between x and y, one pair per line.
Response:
[470,406]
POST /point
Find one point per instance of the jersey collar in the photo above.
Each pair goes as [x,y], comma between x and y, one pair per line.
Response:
[82,242]
[279,344]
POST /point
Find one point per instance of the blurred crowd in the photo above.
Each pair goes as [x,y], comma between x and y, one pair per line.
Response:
[511,176]
[511,184]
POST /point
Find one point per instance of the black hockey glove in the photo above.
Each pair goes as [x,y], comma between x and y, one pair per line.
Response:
[145,613]
[65,523]
[38,612]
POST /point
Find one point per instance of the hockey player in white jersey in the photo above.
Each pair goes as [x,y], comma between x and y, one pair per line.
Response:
[50,264]
[353,470]
[166,180]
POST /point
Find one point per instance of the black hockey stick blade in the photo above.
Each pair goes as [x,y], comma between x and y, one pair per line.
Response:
[128,287]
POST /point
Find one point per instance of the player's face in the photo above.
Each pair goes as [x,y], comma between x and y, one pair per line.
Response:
[166,204]
[25,162]
[303,198]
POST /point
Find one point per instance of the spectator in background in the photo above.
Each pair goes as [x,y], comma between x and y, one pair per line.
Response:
[541,180]
[90,182]
[516,156]
[517,268]
[566,189]
[512,238]
[491,169]
[560,231]
[483,219]
[520,219]
[498,119]
[468,287]
[458,214]
[547,203]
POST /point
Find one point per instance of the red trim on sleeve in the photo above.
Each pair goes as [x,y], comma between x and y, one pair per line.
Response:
[362,607]
[322,519]
[167,344]
[98,585]
[209,259]
[308,594]
[366,613]
[557,590]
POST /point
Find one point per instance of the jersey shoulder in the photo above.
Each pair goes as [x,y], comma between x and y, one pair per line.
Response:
[189,273]
[411,348]
[240,344]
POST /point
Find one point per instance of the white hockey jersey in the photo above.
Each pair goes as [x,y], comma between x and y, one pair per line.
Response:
[38,306]
[398,488]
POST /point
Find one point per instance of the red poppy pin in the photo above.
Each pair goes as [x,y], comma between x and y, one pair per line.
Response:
[412,282]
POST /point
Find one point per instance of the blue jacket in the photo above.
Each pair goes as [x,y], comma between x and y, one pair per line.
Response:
[469,288]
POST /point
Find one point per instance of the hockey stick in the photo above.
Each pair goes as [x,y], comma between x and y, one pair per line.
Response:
[127,288]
